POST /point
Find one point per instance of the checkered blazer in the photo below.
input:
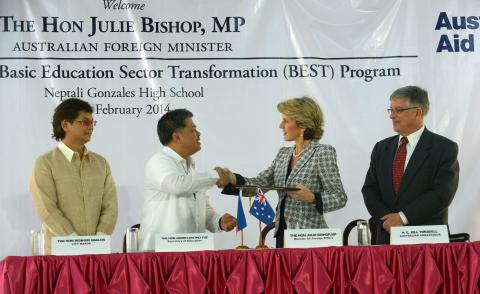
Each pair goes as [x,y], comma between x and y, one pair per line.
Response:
[316,169]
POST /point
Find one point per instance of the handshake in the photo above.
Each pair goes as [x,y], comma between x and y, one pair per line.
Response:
[226,177]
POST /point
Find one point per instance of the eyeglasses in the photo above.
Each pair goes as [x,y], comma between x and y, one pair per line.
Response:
[399,110]
[87,122]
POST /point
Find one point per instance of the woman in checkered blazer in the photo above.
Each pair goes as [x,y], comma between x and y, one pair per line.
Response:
[307,165]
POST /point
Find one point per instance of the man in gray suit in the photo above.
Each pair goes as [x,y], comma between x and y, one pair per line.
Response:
[413,176]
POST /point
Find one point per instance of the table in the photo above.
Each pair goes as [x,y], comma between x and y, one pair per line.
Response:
[435,268]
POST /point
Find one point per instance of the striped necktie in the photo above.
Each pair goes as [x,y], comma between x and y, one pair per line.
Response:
[399,164]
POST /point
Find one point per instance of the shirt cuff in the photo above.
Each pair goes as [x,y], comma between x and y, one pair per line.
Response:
[214,175]
[229,190]
[403,217]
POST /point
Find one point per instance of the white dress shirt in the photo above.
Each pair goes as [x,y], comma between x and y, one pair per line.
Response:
[412,143]
[175,199]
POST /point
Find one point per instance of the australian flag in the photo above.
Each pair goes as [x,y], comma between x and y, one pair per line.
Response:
[261,209]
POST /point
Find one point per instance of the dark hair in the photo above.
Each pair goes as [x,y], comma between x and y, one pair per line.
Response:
[417,96]
[171,122]
[67,110]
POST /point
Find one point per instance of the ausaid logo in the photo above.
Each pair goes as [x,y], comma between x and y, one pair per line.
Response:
[122,5]
[458,36]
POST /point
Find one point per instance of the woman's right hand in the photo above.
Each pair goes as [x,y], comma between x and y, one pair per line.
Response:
[304,194]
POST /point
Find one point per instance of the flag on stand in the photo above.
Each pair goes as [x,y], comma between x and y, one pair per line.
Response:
[241,221]
[261,209]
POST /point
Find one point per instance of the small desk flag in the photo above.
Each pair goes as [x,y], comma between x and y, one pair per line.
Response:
[241,221]
[261,209]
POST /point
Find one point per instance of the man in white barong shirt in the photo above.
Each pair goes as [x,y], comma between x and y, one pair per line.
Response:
[175,199]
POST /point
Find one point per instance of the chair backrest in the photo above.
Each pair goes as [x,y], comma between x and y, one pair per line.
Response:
[125,238]
[459,237]
[263,235]
[352,225]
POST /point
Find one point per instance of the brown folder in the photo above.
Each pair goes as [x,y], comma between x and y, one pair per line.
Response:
[250,188]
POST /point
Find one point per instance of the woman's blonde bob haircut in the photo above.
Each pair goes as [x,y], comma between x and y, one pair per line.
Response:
[307,113]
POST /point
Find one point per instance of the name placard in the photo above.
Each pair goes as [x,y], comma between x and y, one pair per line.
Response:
[310,238]
[419,234]
[76,245]
[183,242]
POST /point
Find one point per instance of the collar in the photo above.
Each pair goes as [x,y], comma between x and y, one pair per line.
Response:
[69,153]
[313,144]
[413,137]
[175,156]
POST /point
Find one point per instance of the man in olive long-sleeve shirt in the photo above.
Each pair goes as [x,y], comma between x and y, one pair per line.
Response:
[72,187]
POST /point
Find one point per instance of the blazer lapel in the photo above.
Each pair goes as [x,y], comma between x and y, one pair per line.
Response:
[283,167]
[416,160]
[390,151]
[303,160]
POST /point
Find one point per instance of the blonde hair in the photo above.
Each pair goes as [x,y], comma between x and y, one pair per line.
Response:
[306,113]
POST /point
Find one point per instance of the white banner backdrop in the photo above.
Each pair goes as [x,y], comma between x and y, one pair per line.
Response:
[134,60]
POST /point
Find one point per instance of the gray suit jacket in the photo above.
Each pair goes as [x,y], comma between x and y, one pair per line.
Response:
[317,169]
[427,188]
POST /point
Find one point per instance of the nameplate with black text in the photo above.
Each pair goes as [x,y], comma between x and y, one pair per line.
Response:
[76,245]
[183,242]
[419,235]
[310,238]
